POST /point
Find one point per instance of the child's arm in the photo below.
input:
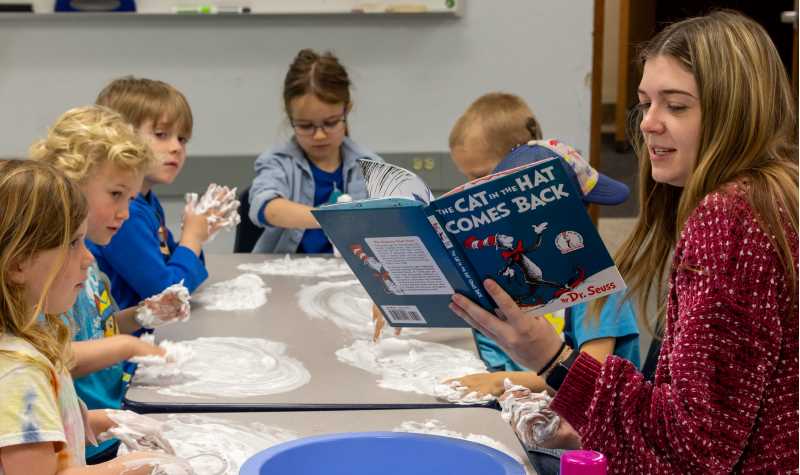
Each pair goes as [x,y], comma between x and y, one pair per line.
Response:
[195,230]
[134,431]
[269,202]
[94,355]
[283,213]
[126,320]
[135,256]
[492,383]
[41,459]
[600,348]
[99,421]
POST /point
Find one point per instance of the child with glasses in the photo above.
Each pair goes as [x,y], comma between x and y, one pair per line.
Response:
[317,165]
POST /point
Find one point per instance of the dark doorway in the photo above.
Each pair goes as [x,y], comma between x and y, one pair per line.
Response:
[767,13]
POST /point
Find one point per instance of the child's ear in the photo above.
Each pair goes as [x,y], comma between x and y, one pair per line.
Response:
[348,108]
[17,271]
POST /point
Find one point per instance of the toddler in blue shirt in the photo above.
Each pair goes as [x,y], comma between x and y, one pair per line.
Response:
[480,143]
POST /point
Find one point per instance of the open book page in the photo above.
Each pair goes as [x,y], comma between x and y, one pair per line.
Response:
[385,180]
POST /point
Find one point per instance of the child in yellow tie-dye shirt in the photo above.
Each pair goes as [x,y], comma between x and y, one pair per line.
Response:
[43,263]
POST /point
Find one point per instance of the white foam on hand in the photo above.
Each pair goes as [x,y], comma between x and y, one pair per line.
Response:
[175,353]
[221,205]
[529,414]
[170,306]
[454,391]
[136,432]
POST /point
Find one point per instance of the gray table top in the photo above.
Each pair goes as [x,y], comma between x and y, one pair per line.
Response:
[314,342]
[466,421]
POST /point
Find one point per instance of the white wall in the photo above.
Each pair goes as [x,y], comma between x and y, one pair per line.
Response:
[413,75]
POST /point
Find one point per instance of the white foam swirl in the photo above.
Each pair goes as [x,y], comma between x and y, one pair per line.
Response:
[300,267]
[245,292]
[227,367]
[412,365]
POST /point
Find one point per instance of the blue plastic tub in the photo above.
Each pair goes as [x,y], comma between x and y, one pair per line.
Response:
[383,453]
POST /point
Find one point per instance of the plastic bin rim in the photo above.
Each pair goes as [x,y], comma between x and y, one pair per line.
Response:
[252,464]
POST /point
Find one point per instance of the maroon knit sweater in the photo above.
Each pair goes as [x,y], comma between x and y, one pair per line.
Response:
[725,394]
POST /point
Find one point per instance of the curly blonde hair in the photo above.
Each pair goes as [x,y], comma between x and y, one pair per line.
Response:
[86,137]
[42,210]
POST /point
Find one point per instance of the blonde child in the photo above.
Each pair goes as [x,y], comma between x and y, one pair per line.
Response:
[316,166]
[43,265]
[97,149]
[490,127]
[480,142]
[143,258]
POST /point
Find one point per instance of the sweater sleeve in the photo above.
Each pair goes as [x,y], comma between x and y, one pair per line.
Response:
[271,181]
[135,255]
[725,342]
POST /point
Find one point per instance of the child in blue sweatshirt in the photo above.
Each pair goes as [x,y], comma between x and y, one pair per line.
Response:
[144,258]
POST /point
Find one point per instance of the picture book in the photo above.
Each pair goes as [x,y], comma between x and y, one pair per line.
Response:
[527,228]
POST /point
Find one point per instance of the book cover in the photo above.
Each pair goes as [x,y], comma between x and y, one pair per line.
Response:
[398,257]
[526,228]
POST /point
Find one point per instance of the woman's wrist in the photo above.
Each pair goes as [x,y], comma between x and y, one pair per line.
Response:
[559,358]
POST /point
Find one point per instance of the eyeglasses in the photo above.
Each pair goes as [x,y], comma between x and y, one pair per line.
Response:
[307,129]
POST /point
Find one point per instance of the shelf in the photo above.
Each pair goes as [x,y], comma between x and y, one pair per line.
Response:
[257,8]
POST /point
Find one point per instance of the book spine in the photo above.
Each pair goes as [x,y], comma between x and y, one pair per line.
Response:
[460,261]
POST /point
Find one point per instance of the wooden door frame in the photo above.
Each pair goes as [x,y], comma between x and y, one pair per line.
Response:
[595,137]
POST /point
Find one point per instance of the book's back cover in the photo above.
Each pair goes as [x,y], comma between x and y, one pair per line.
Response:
[399,259]
[529,231]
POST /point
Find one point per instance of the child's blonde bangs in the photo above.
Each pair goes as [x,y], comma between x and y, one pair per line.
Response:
[86,137]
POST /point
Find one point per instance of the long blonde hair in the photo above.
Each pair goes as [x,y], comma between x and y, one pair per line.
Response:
[748,130]
[41,210]
[86,137]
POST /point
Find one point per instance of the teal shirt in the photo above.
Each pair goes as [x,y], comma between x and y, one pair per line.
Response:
[92,319]
[615,321]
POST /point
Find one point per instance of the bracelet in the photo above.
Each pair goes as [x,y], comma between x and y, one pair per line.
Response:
[552,360]
[565,353]
[558,373]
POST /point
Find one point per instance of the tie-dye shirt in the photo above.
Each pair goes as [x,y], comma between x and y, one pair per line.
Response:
[37,404]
